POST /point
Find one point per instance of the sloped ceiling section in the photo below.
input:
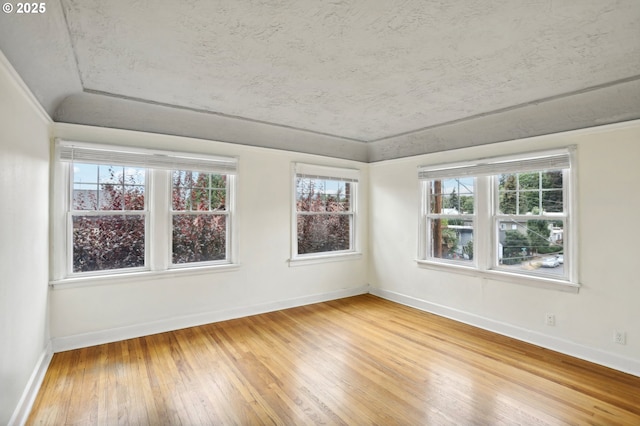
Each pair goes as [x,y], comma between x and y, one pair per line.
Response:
[359,79]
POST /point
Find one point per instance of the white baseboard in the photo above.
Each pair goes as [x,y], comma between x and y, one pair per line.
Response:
[138,330]
[21,413]
[586,353]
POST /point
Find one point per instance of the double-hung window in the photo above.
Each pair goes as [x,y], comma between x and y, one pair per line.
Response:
[509,216]
[123,209]
[325,205]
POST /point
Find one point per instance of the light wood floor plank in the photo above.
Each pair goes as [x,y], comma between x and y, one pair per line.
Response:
[354,361]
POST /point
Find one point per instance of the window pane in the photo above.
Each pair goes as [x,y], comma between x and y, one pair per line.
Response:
[108,242]
[552,180]
[85,196]
[133,197]
[199,192]
[507,193]
[134,176]
[217,199]
[85,186]
[529,180]
[180,197]
[552,201]
[110,197]
[111,174]
[199,238]
[319,233]
[323,195]
[451,239]
[85,173]
[452,196]
[535,246]
[529,202]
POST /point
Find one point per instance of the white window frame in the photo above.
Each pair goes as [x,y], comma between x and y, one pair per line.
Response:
[486,232]
[158,231]
[315,171]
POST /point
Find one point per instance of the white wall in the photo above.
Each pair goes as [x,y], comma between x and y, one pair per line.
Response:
[608,208]
[24,251]
[111,310]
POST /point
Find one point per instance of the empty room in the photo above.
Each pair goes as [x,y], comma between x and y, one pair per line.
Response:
[348,212]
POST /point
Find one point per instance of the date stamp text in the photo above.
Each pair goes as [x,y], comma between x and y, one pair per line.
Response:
[24,8]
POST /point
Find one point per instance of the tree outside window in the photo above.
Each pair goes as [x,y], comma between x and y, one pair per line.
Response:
[199,217]
[324,215]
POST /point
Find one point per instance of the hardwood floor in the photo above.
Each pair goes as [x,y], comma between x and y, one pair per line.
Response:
[355,361]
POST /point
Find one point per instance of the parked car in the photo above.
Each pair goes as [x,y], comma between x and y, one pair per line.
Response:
[560,258]
[550,262]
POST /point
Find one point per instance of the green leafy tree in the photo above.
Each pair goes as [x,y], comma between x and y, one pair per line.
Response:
[552,194]
[450,241]
[468,249]
[452,202]
[515,248]
[508,196]
[466,204]
[529,192]
[524,192]
[538,233]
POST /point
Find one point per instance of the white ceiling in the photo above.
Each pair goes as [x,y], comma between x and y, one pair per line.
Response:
[387,72]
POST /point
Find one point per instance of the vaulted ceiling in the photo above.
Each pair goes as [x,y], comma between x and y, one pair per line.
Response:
[360,79]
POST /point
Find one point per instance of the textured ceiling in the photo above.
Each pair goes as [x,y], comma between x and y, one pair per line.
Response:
[352,70]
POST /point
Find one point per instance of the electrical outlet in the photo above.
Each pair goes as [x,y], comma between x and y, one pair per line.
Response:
[550,319]
[620,337]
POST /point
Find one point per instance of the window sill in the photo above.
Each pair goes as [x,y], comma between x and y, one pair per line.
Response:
[324,258]
[534,281]
[124,277]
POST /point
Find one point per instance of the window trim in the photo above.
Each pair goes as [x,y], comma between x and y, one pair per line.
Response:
[312,171]
[158,229]
[487,216]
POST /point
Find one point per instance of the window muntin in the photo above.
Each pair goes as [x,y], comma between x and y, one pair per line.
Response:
[450,219]
[108,217]
[324,215]
[524,225]
[199,222]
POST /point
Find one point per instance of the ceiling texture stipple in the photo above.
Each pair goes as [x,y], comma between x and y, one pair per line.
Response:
[401,77]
